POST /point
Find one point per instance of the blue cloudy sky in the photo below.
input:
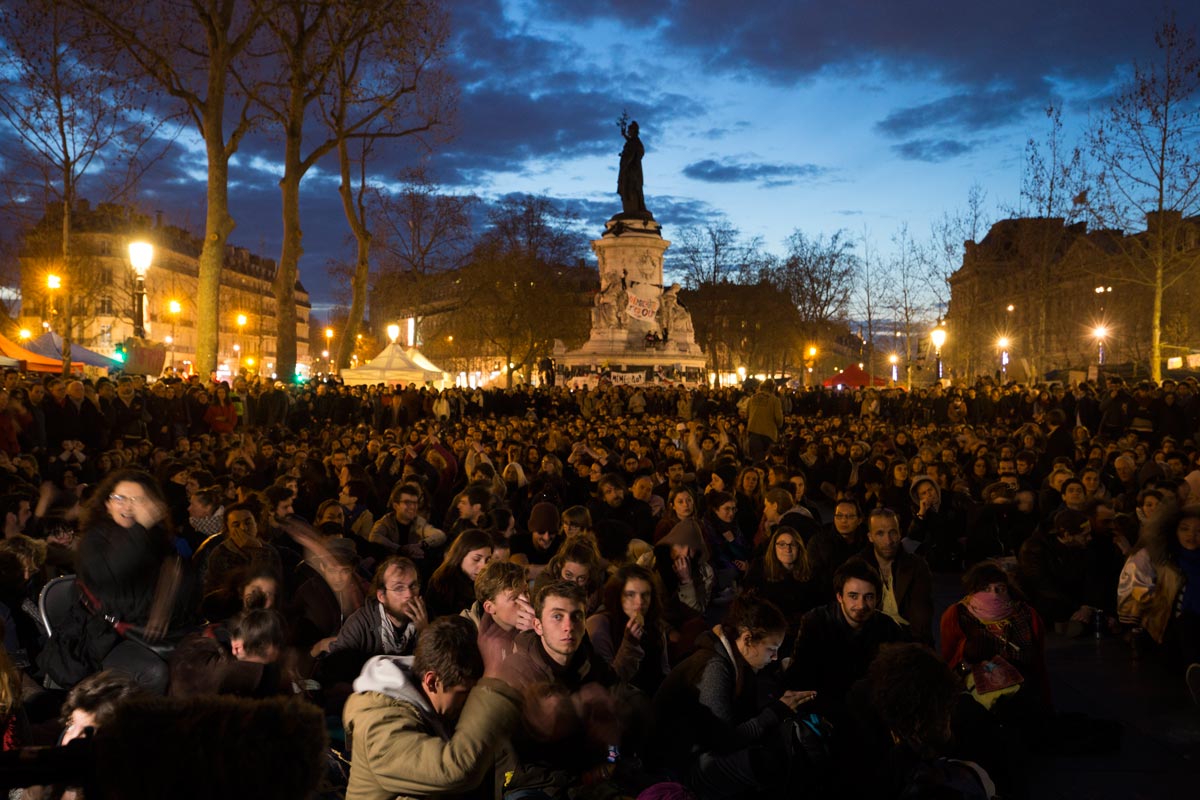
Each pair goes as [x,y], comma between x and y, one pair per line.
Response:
[775,114]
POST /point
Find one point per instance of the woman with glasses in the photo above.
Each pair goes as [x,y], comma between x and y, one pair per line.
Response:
[783,575]
[130,578]
[729,546]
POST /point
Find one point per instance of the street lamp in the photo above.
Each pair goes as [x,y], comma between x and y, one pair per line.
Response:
[1003,343]
[53,284]
[174,308]
[140,255]
[329,345]
[393,332]
[1101,333]
[894,360]
[237,351]
[938,337]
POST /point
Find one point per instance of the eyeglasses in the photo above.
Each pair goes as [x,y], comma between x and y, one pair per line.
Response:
[136,500]
[787,545]
[845,516]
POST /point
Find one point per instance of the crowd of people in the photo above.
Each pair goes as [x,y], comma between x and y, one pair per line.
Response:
[630,590]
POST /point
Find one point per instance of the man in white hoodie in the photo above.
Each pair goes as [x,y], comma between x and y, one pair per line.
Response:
[429,725]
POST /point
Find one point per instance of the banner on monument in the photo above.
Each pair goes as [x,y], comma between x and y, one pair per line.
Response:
[643,308]
[1193,361]
[628,378]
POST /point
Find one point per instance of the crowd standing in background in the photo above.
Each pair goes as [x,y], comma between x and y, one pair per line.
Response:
[550,593]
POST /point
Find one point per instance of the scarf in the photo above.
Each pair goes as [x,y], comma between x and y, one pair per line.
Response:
[393,645]
[989,607]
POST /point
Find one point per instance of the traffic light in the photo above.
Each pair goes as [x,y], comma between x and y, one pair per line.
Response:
[119,355]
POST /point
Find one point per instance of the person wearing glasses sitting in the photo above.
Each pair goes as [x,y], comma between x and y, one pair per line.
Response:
[836,544]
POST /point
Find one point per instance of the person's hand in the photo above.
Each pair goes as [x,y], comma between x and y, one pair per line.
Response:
[794,698]
[149,513]
[728,536]
[321,647]
[1084,614]
[415,610]
[525,615]
[683,569]
[741,565]
[635,627]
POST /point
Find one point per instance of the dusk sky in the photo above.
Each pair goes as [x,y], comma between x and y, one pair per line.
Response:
[775,115]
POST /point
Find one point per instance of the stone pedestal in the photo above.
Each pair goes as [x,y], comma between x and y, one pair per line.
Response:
[632,303]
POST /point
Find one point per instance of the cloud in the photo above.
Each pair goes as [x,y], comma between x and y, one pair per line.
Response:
[932,150]
[733,170]
[970,112]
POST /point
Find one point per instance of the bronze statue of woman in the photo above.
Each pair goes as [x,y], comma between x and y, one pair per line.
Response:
[629,179]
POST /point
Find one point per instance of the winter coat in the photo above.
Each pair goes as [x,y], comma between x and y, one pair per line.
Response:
[401,748]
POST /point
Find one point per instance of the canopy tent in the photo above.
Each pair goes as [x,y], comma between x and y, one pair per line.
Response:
[854,378]
[418,358]
[49,344]
[393,366]
[34,362]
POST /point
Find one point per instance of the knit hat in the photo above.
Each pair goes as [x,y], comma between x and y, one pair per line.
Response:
[543,518]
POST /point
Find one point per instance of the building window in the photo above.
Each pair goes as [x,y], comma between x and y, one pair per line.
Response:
[104,307]
[106,334]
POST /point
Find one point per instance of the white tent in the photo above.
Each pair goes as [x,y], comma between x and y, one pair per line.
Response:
[392,366]
[418,358]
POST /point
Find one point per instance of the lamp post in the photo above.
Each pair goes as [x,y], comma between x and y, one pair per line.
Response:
[241,324]
[393,332]
[53,284]
[894,360]
[237,351]
[1101,333]
[174,308]
[809,362]
[140,256]
[938,337]
[1003,343]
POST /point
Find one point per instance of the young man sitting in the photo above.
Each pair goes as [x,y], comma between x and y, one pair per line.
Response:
[571,726]
[501,600]
[428,725]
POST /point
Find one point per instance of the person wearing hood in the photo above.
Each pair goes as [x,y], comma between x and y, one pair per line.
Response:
[936,528]
[429,725]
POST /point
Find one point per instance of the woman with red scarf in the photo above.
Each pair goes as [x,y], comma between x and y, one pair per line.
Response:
[997,641]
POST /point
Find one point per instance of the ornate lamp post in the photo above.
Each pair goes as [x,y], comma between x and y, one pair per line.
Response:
[1003,344]
[140,256]
[53,284]
[894,360]
[938,337]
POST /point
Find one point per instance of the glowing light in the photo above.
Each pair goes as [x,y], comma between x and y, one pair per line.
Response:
[140,255]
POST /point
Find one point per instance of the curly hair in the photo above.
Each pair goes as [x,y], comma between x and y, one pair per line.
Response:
[913,691]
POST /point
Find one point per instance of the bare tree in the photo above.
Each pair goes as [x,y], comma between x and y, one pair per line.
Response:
[372,98]
[323,43]
[947,234]
[872,287]
[1051,182]
[715,253]
[1146,149]
[818,274]
[193,50]
[72,111]
[908,300]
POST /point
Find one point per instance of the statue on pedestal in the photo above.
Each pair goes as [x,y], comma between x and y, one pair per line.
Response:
[629,179]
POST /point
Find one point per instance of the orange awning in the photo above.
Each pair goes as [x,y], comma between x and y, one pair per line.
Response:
[33,361]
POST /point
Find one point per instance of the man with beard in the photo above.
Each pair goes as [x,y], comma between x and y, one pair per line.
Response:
[386,625]
[837,642]
[616,504]
[404,530]
[907,595]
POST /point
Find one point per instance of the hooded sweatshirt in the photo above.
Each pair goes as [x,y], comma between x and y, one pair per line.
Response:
[401,748]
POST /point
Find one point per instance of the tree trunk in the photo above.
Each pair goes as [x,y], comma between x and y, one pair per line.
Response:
[68,286]
[289,257]
[362,238]
[218,225]
[1156,325]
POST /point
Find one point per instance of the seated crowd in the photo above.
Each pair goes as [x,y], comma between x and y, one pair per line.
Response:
[551,593]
